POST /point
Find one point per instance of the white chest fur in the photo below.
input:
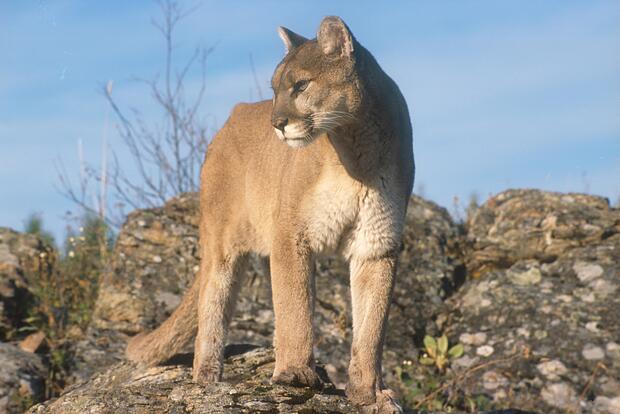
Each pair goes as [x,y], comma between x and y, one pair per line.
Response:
[360,221]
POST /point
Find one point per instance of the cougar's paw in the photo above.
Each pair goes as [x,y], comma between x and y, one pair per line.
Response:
[207,373]
[297,377]
[377,402]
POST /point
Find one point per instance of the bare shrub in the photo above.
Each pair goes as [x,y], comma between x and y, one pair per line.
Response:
[165,155]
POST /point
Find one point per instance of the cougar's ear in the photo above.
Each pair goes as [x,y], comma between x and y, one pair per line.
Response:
[334,37]
[291,39]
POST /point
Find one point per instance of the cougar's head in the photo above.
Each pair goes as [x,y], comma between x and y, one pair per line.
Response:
[315,86]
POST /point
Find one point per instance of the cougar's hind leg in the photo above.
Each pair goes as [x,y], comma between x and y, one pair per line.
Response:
[216,305]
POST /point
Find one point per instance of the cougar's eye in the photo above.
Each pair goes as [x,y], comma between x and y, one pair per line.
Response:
[300,86]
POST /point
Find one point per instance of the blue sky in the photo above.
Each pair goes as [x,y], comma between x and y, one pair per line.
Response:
[502,94]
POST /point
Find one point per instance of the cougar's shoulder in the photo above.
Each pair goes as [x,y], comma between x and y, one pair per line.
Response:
[247,122]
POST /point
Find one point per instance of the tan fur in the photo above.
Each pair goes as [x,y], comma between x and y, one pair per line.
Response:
[340,185]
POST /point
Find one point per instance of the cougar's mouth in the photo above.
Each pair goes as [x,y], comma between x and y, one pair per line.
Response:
[302,133]
[297,130]
[298,134]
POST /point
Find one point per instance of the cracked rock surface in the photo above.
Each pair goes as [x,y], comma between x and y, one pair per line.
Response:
[168,389]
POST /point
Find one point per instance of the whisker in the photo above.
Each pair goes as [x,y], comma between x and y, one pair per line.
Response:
[337,113]
[329,121]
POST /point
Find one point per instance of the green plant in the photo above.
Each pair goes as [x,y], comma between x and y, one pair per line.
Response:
[34,225]
[437,352]
[86,253]
[20,402]
[65,288]
[424,387]
[416,386]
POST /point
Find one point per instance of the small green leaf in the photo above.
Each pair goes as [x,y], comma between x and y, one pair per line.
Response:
[442,344]
[456,351]
[427,361]
[31,319]
[471,404]
[440,362]
[27,329]
[482,402]
[431,345]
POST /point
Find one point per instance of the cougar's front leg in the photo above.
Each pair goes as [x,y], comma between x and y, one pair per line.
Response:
[372,283]
[216,305]
[292,280]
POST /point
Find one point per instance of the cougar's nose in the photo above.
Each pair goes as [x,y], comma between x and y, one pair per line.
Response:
[279,123]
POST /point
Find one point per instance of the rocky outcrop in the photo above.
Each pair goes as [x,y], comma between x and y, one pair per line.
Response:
[22,373]
[529,285]
[538,225]
[21,379]
[168,389]
[155,259]
[540,314]
[19,254]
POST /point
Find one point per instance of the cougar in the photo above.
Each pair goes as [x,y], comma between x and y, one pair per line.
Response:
[325,167]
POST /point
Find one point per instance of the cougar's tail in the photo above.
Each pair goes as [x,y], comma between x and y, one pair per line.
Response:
[171,337]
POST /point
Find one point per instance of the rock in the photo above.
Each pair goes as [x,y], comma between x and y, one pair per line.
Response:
[473,339]
[560,395]
[21,379]
[20,254]
[32,342]
[591,352]
[485,350]
[532,224]
[97,350]
[491,380]
[550,328]
[552,369]
[169,389]
[605,405]
[139,291]
[528,277]
[613,350]
[587,272]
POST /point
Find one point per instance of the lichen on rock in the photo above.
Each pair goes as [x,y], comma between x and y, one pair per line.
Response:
[21,379]
[169,389]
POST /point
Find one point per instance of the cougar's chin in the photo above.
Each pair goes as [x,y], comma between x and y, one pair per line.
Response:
[297,135]
[299,142]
